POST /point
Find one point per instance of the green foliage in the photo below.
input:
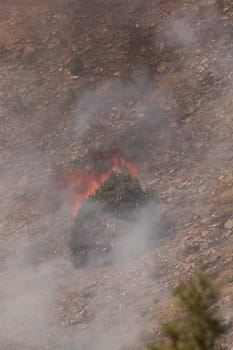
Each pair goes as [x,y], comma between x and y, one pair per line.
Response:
[120,193]
[201,326]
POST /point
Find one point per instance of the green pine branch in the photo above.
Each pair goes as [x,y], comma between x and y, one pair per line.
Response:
[200,326]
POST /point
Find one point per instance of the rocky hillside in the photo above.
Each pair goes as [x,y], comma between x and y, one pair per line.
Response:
[78,78]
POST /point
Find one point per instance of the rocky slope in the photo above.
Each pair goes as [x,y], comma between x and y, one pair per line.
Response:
[152,78]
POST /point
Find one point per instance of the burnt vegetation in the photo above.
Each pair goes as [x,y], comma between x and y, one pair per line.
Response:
[106,217]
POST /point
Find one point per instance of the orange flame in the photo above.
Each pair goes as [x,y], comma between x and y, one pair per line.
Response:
[81,184]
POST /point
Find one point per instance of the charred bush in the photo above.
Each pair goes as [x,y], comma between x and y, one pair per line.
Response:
[77,67]
[106,217]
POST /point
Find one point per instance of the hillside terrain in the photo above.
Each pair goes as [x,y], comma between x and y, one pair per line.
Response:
[79,79]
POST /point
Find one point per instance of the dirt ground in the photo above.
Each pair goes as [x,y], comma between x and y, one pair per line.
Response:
[152,78]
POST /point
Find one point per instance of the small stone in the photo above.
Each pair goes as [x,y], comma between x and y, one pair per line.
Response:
[173,124]
[2,229]
[23,181]
[227,324]
[162,67]
[29,50]
[229,224]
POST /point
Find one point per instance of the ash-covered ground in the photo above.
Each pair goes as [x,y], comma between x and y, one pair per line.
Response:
[153,79]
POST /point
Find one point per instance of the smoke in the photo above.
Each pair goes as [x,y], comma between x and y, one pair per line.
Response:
[35,274]
[120,115]
[34,280]
[27,295]
[125,240]
[141,235]
[181,32]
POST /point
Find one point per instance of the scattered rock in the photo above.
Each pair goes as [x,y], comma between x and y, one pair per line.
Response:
[229,224]
[23,181]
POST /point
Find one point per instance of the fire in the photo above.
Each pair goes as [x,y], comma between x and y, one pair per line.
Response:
[81,184]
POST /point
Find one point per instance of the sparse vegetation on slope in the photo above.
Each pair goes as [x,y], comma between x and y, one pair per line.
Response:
[200,326]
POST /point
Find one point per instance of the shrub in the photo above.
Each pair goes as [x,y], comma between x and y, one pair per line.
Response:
[120,193]
[105,216]
[201,326]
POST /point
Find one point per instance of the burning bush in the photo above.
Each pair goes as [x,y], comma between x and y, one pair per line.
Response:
[120,193]
[106,216]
